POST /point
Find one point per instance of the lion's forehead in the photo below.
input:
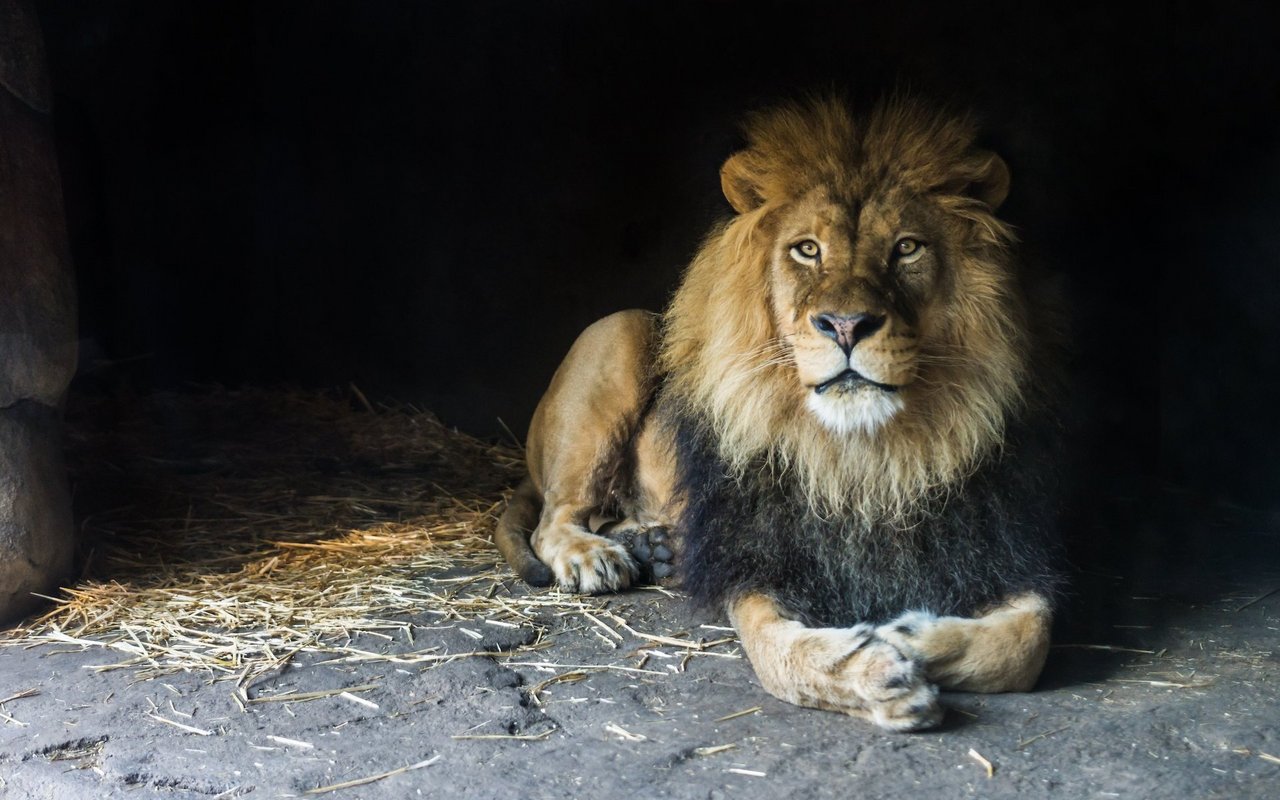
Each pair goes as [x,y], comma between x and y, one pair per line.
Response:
[844,216]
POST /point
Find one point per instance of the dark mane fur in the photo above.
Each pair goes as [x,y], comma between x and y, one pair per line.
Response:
[989,537]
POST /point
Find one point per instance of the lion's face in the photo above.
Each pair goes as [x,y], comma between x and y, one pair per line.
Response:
[859,319]
[853,287]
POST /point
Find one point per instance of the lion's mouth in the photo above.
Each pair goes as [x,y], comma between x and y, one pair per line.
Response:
[849,380]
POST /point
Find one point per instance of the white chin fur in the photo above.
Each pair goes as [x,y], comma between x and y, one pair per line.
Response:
[863,410]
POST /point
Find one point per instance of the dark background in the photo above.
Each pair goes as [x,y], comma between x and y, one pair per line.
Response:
[430,200]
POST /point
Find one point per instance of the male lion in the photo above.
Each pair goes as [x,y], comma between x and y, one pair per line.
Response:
[830,430]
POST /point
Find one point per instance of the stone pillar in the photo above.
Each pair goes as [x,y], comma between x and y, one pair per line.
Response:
[37,325]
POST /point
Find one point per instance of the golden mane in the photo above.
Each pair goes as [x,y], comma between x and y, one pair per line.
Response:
[726,365]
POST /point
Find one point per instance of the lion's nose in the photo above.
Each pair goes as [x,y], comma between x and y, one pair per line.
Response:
[847,330]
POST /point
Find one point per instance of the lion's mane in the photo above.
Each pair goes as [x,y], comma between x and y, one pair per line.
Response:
[941,507]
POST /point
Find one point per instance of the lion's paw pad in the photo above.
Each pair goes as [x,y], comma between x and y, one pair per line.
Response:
[652,550]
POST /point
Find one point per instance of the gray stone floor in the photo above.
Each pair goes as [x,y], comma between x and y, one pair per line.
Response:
[1166,688]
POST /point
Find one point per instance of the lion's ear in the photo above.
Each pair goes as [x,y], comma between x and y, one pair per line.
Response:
[740,183]
[990,179]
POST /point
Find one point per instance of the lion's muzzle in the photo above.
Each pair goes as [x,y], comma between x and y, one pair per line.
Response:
[846,330]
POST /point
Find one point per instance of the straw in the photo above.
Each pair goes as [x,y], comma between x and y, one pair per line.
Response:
[232,531]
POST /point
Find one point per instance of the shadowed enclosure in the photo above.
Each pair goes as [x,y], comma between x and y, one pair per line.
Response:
[432,200]
[312,240]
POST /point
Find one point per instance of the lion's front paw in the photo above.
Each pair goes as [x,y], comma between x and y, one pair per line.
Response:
[872,677]
[591,564]
[894,686]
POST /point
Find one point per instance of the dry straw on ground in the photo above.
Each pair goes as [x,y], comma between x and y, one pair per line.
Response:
[228,531]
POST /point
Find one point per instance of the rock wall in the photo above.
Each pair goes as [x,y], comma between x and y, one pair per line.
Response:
[37,324]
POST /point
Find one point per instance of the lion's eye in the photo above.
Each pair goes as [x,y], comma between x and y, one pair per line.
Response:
[808,250]
[908,249]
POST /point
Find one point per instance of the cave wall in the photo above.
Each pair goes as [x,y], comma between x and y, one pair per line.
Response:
[431,199]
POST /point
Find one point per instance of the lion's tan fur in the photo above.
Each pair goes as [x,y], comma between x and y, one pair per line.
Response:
[723,357]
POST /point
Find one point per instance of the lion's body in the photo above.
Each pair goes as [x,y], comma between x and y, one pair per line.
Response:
[830,423]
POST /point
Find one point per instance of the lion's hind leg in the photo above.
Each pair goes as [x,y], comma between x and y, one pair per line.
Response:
[851,670]
[1001,650]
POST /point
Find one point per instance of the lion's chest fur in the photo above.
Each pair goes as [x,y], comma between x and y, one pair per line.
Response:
[990,538]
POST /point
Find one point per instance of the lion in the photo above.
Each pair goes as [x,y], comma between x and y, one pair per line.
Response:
[835,432]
